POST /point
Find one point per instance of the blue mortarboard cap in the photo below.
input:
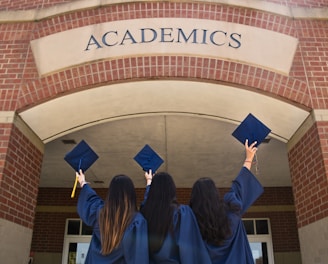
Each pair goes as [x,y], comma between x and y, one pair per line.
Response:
[252,129]
[81,157]
[148,159]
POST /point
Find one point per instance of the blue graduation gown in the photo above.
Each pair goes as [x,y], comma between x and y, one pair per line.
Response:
[133,248]
[236,250]
[186,245]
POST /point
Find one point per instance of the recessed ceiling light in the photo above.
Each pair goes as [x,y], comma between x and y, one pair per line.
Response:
[69,141]
[98,181]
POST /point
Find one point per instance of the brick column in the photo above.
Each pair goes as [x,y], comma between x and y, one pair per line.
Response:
[21,154]
[308,157]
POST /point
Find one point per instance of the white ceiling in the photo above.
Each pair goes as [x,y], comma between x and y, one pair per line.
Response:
[189,124]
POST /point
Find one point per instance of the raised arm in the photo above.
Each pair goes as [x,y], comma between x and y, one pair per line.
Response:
[245,188]
[88,203]
[148,177]
[250,154]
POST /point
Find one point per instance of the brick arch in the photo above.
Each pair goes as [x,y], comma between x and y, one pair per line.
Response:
[37,89]
[142,10]
[163,67]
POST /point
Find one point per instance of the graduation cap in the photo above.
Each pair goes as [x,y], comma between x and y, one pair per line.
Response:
[81,157]
[252,129]
[148,159]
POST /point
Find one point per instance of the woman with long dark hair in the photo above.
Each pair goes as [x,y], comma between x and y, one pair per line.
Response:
[220,221]
[119,230]
[173,233]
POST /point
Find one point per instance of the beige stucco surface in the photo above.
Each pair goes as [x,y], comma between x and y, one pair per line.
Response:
[314,242]
[15,242]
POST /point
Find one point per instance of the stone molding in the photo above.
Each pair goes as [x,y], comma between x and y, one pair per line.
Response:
[39,14]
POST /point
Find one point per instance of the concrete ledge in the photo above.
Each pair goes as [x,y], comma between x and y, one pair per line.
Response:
[39,14]
[272,208]
[10,117]
[55,209]
[316,115]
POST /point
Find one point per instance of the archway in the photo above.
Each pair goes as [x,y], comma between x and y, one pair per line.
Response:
[188,123]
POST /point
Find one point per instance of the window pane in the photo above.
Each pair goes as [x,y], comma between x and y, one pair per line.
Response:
[77,253]
[249,226]
[73,227]
[262,227]
[86,230]
[72,253]
[265,253]
[259,252]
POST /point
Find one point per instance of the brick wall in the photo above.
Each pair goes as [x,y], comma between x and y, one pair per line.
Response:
[15,67]
[62,196]
[20,167]
[311,57]
[309,170]
[305,85]
[283,227]
[21,87]
[49,230]
[49,227]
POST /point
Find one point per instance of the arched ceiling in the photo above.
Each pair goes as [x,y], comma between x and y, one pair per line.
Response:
[189,124]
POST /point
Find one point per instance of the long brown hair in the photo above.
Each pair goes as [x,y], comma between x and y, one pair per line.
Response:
[119,208]
[210,211]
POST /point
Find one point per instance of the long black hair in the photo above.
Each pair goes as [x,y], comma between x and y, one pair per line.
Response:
[158,209]
[210,211]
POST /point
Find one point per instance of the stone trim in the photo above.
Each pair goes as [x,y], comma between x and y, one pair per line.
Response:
[10,117]
[39,14]
[317,115]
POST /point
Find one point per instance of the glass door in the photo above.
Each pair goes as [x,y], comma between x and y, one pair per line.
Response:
[259,236]
[76,242]
[75,250]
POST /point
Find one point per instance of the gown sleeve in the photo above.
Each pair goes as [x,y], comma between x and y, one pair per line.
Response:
[88,205]
[192,249]
[245,190]
[135,242]
[145,196]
